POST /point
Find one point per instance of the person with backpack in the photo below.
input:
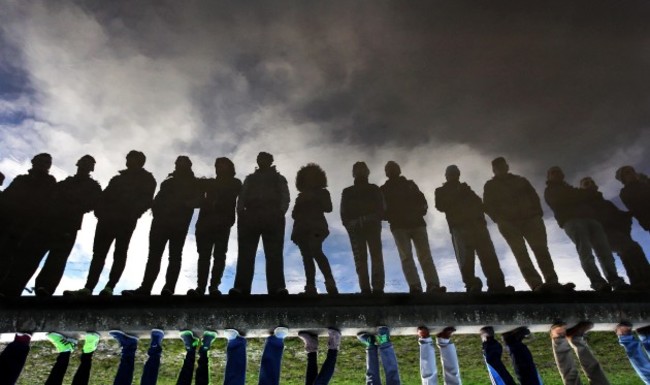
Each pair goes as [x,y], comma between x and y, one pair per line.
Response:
[406,207]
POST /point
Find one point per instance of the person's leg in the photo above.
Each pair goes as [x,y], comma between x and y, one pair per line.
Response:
[311,348]
[423,251]
[176,243]
[235,373]
[388,357]
[272,357]
[644,336]
[122,240]
[632,256]
[372,358]
[248,235]
[522,359]
[487,256]
[50,275]
[152,366]
[492,352]
[158,238]
[203,367]
[25,262]
[104,236]
[129,344]
[449,358]
[535,234]
[360,255]
[64,346]
[273,242]
[316,246]
[308,263]
[513,233]
[464,250]
[372,237]
[222,236]
[327,369]
[564,361]
[13,357]
[635,353]
[578,231]
[604,254]
[204,245]
[590,365]
[403,243]
[82,376]
[187,370]
[428,367]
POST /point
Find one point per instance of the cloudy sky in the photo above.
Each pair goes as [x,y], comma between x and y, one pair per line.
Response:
[425,84]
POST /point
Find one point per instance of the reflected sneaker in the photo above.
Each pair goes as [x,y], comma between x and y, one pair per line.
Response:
[62,343]
[334,339]
[643,331]
[198,292]
[42,292]
[91,341]
[366,338]
[85,292]
[157,336]
[125,340]
[281,332]
[230,334]
[310,340]
[189,339]
[208,338]
[423,332]
[383,335]
[486,332]
[106,292]
[516,335]
[580,329]
[558,329]
[166,293]
[446,333]
[623,328]
[139,292]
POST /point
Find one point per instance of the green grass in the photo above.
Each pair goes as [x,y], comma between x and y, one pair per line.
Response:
[350,366]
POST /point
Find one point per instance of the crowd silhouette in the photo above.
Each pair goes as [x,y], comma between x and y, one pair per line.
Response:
[40,218]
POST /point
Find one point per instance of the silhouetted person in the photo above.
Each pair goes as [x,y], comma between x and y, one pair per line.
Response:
[635,194]
[55,235]
[172,211]
[26,201]
[127,196]
[513,204]
[406,207]
[469,233]
[573,213]
[310,226]
[262,204]
[216,217]
[618,225]
[362,208]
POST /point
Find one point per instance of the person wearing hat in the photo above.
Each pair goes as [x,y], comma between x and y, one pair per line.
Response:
[172,211]
[635,194]
[262,205]
[574,214]
[406,207]
[513,204]
[127,196]
[26,202]
[469,233]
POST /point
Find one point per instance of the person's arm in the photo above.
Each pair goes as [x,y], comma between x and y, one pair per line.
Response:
[491,202]
[326,201]
[285,197]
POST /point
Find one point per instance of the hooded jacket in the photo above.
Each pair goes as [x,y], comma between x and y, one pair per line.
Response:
[218,203]
[510,198]
[265,192]
[361,202]
[128,195]
[405,204]
[178,196]
[460,204]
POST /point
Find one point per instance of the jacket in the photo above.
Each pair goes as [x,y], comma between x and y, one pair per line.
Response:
[567,202]
[460,204]
[510,198]
[265,192]
[309,215]
[218,203]
[128,195]
[360,203]
[178,196]
[405,204]
[636,197]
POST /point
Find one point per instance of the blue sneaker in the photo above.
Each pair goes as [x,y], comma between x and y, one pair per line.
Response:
[383,335]
[189,339]
[157,336]
[208,338]
[366,338]
[125,340]
[281,332]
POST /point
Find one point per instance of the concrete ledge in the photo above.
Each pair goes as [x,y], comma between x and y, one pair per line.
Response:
[257,314]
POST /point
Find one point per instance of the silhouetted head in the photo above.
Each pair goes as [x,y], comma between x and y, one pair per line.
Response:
[392,169]
[360,170]
[135,159]
[452,173]
[311,177]
[587,183]
[555,174]
[626,174]
[264,159]
[224,167]
[500,166]
[85,165]
[42,162]
[183,163]
[2,178]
